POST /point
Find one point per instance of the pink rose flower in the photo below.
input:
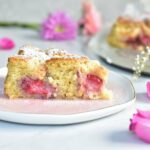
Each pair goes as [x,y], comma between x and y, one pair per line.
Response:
[148,89]
[91,21]
[6,43]
[140,125]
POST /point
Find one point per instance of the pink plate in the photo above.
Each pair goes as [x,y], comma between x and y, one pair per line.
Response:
[66,111]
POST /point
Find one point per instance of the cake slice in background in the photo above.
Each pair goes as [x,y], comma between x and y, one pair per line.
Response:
[54,74]
[131,30]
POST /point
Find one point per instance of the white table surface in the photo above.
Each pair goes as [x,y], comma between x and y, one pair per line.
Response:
[110,133]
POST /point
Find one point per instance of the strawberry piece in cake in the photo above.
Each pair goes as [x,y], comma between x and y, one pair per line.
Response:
[93,83]
[37,87]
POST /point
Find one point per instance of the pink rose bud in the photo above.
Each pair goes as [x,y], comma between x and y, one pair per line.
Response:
[140,125]
[6,43]
[91,20]
[148,89]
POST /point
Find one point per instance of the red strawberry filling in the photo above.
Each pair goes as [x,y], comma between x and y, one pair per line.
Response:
[37,87]
[140,40]
[145,39]
[93,83]
[89,84]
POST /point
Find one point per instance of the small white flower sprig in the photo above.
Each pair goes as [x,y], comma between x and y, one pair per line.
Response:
[140,62]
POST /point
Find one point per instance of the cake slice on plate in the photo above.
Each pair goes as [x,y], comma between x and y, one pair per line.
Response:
[128,33]
[54,74]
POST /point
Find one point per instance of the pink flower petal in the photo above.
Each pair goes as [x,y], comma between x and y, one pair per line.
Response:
[148,89]
[140,125]
[144,114]
[6,43]
[142,130]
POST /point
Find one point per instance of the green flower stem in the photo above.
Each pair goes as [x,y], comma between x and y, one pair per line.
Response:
[33,26]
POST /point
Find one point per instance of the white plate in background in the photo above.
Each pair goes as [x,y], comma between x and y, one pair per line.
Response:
[121,58]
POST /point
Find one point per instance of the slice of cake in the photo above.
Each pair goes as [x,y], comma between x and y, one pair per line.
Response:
[129,32]
[54,74]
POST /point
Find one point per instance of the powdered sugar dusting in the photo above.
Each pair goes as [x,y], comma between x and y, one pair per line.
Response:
[35,55]
[53,51]
[28,51]
[29,48]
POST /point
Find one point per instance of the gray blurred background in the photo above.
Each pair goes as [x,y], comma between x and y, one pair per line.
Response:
[36,10]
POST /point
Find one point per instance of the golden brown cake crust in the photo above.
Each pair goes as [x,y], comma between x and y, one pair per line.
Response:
[82,59]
